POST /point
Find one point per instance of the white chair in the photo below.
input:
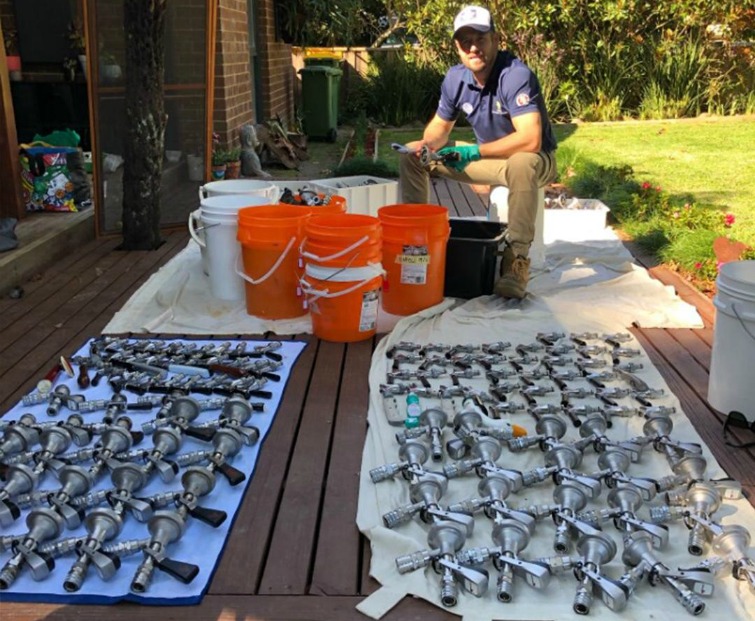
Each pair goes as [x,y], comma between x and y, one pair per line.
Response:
[498,211]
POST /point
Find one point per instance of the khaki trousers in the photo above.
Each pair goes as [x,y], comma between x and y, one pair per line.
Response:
[522,173]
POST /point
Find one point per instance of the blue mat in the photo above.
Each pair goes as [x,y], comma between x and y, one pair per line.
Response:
[201,544]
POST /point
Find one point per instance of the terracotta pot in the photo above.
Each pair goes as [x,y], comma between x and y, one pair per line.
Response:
[14,63]
[233,169]
[218,171]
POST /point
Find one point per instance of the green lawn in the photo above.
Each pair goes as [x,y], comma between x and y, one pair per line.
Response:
[711,159]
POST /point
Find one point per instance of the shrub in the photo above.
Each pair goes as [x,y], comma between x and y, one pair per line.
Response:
[362,165]
[402,88]
[693,253]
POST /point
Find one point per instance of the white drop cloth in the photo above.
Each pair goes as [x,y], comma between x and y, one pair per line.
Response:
[596,274]
[487,320]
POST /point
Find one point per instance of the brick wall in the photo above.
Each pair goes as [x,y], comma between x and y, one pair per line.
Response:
[277,77]
[233,87]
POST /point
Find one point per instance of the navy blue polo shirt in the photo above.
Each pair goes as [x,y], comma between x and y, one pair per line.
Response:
[512,89]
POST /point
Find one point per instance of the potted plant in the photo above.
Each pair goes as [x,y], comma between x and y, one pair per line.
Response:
[110,70]
[233,163]
[78,44]
[219,159]
[12,57]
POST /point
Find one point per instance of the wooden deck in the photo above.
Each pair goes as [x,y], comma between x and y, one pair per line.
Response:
[295,551]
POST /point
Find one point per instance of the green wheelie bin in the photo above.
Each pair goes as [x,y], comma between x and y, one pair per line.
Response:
[319,93]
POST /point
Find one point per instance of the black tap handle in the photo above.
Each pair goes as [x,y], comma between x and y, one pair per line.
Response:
[213,517]
[234,475]
[185,572]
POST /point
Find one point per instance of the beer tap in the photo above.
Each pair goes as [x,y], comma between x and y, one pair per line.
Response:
[570,498]
[412,453]
[235,412]
[105,523]
[77,481]
[687,585]
[510,536]
[43,525]
[731,542]
[594,550]
[432,421]
[445,538]
[168,526]
[21,478]
[511,532]
[624,502]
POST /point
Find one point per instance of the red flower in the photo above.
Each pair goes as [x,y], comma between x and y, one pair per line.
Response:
[646,185]
[729,219]
[698,265]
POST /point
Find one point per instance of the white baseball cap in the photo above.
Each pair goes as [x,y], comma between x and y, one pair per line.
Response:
[475,17]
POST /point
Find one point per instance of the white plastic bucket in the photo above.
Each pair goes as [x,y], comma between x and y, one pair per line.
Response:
[343,301]
[240,186]
[218,220]
[733,359]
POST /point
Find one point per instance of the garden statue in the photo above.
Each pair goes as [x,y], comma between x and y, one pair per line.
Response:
[250,161]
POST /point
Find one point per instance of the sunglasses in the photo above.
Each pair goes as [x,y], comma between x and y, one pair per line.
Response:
[739,421]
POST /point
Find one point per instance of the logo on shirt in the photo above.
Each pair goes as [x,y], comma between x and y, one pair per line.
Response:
[522,99]
[467,108]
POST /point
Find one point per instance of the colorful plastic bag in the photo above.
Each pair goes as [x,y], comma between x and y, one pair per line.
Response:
[45,179]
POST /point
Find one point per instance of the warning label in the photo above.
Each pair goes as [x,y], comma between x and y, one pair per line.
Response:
[414,261]
[369,313]
[409,260]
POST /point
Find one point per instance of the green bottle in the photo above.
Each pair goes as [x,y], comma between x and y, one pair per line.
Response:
[413,410]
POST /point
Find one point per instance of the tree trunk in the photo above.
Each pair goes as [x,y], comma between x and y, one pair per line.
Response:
[144,25]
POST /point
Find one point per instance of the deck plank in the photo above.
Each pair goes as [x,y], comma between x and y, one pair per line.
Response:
[684,377]
[84,315]
[287,569]
[231,608]
[58,276]
[338,554]
[240,571]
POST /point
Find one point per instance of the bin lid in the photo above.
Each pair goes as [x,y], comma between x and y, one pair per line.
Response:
[322,52]
[321,69]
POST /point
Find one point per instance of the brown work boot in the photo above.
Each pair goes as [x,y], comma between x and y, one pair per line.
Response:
[515,273]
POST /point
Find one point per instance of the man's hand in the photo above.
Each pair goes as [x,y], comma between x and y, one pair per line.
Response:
[458,157]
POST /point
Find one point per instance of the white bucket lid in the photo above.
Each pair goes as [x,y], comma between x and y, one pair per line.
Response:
[231,203]
[238,186]
[741,273]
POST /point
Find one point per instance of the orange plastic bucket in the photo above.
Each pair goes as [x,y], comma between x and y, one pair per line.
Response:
[336,204]
[414,255]
[270,238]
[343,275]
[342,240]
[343,302]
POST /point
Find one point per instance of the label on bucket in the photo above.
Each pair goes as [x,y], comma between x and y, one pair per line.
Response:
[414,261]
[368,316]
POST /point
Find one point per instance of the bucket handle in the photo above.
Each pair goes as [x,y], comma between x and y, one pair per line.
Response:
[309,290]
[271,271]
[741,317]
[193,231]
[202,193]
[340,253]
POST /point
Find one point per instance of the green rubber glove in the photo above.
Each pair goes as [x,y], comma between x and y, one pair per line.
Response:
[458,157]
